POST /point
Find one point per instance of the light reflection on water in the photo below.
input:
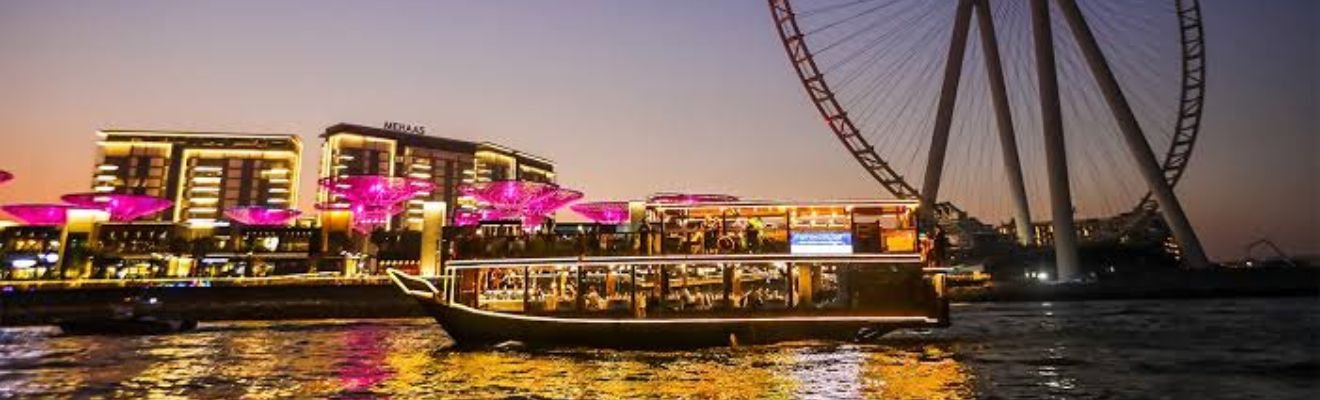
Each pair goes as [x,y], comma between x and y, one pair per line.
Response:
[1101,349]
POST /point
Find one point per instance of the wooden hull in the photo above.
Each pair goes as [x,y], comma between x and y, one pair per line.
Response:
[472,327]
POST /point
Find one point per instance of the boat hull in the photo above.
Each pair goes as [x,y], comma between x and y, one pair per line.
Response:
[472,327]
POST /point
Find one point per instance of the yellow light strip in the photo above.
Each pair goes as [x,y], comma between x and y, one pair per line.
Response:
[588,321]
[687,259]
[185,135]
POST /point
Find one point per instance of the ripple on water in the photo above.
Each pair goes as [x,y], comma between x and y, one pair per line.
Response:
[1084,349]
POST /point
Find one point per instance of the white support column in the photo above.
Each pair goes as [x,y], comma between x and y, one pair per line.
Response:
[81,223]
[1136,140]
[1066,261]
[433,220]
[1004,121]
[939,141]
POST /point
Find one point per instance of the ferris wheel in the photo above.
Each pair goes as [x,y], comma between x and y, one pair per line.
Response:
[1109,83]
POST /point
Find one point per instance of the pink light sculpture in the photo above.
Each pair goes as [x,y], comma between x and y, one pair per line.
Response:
[604,212]
[370,214]
[508,195]
[549,203]
[531,202]
[366,217]
[466,217]
[688,198]
[262,216]
[373,199]
[469,217]
[39,214]
[122,207]
[532,221]
[375,189]
[5,176]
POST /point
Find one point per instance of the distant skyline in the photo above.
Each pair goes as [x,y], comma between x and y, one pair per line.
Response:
[628,98]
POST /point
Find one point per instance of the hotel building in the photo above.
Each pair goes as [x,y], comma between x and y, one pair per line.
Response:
[202,172]
[360,150]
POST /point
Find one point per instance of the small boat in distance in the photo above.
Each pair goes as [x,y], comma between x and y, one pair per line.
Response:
[692,275]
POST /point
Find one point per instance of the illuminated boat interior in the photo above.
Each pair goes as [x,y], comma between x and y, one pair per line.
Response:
[723,262]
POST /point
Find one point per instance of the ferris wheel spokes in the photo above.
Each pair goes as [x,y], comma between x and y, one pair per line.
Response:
[877,67]
[1004,122]
[1139,148]
[999,97]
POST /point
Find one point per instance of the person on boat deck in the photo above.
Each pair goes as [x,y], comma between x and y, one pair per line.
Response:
[757,300]
[593,299]
[753,233]
[711,235]
[644,239]
[695,240]
[939,251]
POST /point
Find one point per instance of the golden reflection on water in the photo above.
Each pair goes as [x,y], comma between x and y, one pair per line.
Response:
[180,363]
[929,374]
[787,371]
[407,360]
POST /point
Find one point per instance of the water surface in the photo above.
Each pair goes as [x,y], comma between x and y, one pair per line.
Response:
[1239,348]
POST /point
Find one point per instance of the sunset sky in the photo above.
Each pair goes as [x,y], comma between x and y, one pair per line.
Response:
[628,97]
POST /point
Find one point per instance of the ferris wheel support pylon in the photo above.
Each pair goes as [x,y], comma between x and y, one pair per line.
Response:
[1135,139]
[1004,120]
[939,142]
[1067,264]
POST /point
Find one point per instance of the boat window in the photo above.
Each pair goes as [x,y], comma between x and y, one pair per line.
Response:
[553,290]
[817,286]
[648,288]
[502,289]
[695,287]
[760,286]
[606,288]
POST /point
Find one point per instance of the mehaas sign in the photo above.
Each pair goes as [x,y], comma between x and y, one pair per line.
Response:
[405,128]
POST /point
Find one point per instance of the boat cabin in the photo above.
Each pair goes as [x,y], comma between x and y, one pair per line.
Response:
[708,259]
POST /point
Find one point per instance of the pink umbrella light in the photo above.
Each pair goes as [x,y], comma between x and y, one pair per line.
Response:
[604,212]
[262,216]
[39,214]
[122,207]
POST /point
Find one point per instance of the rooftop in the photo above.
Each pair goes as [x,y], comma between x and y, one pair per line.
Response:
[435,142]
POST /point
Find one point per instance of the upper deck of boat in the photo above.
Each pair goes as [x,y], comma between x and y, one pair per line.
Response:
[678,233]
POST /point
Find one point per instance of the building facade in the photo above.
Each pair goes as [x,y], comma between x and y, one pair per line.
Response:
[350,149]
[202,172]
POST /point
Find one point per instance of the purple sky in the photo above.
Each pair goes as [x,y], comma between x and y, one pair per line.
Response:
[627,97]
